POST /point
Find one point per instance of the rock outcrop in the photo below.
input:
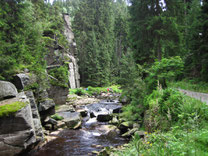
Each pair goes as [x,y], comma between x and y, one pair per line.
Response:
[22,129]
[7,90]
[60,56]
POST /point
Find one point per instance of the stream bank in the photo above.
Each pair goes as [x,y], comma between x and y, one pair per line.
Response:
[92,135]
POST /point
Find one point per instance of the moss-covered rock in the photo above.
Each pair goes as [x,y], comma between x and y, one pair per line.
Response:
[12,108]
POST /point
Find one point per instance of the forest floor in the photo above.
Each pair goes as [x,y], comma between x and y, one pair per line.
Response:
[197,95]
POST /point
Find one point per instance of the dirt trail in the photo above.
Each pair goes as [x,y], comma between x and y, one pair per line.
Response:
[200,96]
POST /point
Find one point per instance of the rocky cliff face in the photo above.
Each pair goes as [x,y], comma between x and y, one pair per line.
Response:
[21,129]
[63,56]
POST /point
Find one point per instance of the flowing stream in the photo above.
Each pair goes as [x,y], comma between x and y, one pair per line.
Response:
[82,142]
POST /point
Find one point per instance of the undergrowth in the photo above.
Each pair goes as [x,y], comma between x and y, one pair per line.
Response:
[95,90]
[176,125]
[192,85]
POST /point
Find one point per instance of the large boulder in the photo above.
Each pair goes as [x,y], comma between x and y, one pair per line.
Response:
[104,117]
[17,132]
[58,94]
[21,80]
[45,104]
[7,90]
[46,108]
[71,119]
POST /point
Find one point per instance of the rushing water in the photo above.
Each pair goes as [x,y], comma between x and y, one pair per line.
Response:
[80,142]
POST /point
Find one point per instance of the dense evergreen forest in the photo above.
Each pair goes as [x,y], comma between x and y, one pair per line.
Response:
[145,46]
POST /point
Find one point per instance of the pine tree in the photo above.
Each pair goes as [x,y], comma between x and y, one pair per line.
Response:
[93,25]
[155,30]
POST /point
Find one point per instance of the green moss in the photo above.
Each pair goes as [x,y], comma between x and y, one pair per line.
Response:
[57,117]
[12,108]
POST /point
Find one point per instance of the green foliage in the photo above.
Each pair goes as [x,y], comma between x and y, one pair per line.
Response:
[20,38]
[10,109]
[170,107]
[95,90]
[166,69]
[93,25]
[175,143]
[57,117]
[33,86]
[156,31]
[61,76]
[193,85]
[78,91]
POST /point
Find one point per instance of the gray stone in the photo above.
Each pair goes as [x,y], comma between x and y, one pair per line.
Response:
[83,112]
[17,132]
[140,133]
[114,121]
[48,127]
[65,108]
[21,80]
[72,120]
[7,90]
[104,117]
[130,132]
[36,116]
[117,110]
[46,104]
[61,124]
[58,94]
[50,121]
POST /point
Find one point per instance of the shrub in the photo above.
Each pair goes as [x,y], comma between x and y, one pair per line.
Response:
[169,107]
[61,74]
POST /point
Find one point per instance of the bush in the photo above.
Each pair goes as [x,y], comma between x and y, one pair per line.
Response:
[61,74]
[170,107]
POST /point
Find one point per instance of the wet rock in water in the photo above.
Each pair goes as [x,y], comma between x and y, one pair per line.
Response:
[109,130]
[7,90]
[130,132]
[48,127]
[61,124]
[124,126]
[96,146]
[92,114]
[117,110]
[104,117]
[71,119]
[83,112]
[114,121]
[65,108]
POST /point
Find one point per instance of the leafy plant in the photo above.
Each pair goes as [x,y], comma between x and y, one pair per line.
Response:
[166,69]
[61,76]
